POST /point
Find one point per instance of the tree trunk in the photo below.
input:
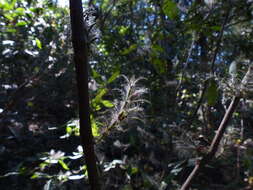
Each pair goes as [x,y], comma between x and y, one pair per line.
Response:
[80,45]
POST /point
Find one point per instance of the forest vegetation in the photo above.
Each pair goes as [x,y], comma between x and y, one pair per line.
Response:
[126,95]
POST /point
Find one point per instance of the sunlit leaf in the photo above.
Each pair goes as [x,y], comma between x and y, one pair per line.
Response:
[21,23]
[94,126]
[100,94]
[11,30]
[233,68]
[134,170]
[34,176]
[9,16]
[123,30]
[113,77]
[76,177]
[38,43]
[63,164]
[69,130]
[107,103]
[7,6]
[20,11]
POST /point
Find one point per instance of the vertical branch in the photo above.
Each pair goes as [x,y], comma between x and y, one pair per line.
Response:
[80,45]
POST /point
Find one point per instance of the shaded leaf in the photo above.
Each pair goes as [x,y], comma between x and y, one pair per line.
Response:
[113,77]
[160,65]
[212,92]
[170,9]
[129,50]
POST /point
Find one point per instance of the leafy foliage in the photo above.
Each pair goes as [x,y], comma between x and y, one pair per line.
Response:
[149,133]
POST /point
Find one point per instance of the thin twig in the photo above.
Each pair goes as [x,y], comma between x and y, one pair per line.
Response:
[186,62]
[194,115]
[215,143]
[219,42]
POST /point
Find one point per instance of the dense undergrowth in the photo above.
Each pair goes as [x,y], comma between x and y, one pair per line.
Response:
[162,74]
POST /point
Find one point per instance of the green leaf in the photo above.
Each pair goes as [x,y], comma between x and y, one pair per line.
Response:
[123,29]
[69,130]
[134,170]
[170,9]
[9,16]
[216,28]
[38,43]
[157,49]
[21,23]
[94,126]
[107,103]
[20,11]
[63,164]
[11,30]
[34,176]
[96,107]
[113,77]
[30,104]
[100,94]
[160,65]
[96,75]
[212,92]
[6,5]
[129,50]
[95,131]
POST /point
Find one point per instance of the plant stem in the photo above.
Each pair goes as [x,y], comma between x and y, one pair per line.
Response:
[80,45]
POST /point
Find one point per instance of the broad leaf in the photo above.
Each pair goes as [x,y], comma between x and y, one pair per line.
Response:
[212,92]
[21,23]
[170,9]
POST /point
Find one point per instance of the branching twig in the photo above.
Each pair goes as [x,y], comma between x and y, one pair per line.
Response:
[219,42]
[129,105]
[215,143]
[244,91]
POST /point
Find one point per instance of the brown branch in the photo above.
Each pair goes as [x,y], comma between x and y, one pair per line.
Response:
[80,45]
[219,134]
[215,143]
